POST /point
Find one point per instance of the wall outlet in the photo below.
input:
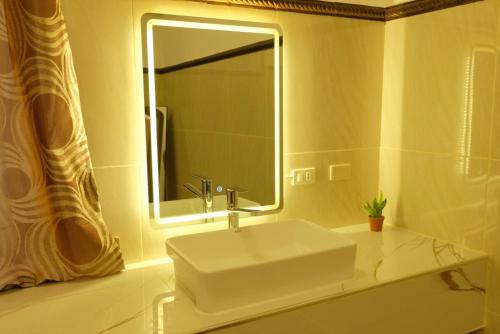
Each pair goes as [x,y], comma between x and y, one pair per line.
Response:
[303,176]
[340,172]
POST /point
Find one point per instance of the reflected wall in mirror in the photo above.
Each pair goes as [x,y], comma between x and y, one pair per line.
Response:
[212,115]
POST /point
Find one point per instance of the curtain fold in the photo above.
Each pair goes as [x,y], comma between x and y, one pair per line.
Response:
[51,226]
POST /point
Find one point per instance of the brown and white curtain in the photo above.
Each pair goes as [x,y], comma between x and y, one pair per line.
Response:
[51,226]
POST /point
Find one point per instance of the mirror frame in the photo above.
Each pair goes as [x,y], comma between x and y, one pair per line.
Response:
[149,21]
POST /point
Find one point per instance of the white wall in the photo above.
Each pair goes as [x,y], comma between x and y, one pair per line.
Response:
[440,148]
[439,156]
[332,74]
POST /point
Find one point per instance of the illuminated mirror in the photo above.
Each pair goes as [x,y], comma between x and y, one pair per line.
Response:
[212,116]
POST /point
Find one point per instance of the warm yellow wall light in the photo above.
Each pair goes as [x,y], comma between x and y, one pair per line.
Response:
[226,26]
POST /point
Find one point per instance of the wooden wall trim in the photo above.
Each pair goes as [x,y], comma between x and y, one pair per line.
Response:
[420,7]
[309,7]
[340,9]
[240,51]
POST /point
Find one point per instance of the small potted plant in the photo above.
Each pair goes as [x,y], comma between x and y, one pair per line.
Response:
[374,210]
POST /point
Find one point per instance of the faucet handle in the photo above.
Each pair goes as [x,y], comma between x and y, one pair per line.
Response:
[206,185]
[232,201]
[201,177]
[236,189]
[232,196]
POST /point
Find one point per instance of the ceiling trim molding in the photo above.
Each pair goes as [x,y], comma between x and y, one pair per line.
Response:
[420,7]
[310,7]
[340,9]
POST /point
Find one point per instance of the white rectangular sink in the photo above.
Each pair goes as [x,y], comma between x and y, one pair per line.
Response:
[224,269]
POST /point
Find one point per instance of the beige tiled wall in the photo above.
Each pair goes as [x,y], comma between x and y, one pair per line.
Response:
[439,132]
[331,99]
[101,35]
[439,162]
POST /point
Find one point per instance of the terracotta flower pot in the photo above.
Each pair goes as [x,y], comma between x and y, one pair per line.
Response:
[376,223]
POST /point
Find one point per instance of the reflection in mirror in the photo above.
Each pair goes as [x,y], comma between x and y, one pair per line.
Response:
[212,116]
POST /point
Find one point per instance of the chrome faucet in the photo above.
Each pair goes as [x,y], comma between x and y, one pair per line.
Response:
[205,193]
[233,211]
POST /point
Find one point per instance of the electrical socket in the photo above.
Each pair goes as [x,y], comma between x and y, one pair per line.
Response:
[303,176]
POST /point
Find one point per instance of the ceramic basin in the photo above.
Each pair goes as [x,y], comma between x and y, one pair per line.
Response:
[224,269]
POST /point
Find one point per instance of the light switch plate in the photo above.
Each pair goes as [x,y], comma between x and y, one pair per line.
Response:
[340,172]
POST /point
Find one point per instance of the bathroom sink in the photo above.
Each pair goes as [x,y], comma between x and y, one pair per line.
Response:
[224,269]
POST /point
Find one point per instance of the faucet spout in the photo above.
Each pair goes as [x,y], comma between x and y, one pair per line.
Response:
[233,215]
[193,189]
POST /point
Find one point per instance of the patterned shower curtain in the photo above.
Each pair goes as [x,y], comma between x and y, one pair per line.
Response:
[51,226]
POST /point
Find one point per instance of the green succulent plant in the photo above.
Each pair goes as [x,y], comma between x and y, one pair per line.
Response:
[375,208]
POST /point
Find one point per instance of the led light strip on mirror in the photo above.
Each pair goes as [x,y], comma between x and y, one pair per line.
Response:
[151,71]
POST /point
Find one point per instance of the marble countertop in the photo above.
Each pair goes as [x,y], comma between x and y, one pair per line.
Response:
[142,299]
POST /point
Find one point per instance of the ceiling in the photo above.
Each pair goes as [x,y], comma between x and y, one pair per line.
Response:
[374,3]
